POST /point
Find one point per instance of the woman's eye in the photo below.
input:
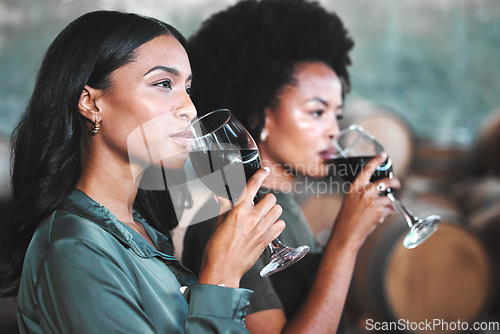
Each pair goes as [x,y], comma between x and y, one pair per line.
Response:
[318,113]
[165,84]
[188,90]
[340,117]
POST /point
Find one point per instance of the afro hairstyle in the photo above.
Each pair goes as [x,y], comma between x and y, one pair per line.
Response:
[242,56]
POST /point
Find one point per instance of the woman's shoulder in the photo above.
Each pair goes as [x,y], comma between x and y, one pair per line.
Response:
[67,225]
[66,230]
[61,236]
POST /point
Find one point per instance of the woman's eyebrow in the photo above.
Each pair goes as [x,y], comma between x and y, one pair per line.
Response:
[318,99]
[324,102]
[170,70]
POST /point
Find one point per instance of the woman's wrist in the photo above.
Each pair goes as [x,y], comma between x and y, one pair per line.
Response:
[346,238]
[210,275]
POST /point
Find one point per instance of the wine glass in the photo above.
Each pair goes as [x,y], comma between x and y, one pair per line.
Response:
[219,143]
[355,148]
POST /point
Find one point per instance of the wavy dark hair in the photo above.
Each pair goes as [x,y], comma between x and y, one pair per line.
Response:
[47,144]
[241,57]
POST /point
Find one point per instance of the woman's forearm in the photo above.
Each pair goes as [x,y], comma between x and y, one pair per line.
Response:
[323,306]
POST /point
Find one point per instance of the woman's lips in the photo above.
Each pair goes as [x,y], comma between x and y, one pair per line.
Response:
[180,139]
[328,154]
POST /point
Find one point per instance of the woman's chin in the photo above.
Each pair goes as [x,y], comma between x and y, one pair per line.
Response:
[152,177]
[175,162]
[315,171]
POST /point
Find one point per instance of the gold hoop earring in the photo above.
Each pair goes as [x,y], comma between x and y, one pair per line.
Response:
[95,127]
[263,136]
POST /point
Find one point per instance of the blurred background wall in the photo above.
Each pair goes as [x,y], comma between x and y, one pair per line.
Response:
[435,61]
[432,65]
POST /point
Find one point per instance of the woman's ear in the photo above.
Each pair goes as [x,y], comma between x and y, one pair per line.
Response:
[87,104]
[265,130]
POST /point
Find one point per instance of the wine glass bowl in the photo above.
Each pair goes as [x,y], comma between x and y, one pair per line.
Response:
[355,148]
[219,144]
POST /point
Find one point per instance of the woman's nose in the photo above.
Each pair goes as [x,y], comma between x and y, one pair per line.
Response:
[332,128]
[187,112]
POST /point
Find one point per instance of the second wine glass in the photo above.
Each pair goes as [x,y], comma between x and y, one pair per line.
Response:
[225,156]
[355,148]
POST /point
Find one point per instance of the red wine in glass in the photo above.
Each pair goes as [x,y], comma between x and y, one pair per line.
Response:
[219,144]
[355,148]
[349,167]
[208,162]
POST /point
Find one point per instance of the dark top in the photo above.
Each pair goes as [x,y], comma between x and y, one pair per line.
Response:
[284,290]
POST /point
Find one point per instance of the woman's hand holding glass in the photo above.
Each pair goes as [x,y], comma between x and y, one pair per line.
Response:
[241,235]
[354,147]
[224,154]
[363,208]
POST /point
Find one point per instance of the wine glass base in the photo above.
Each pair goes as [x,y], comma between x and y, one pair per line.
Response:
[284,258]
[421,231]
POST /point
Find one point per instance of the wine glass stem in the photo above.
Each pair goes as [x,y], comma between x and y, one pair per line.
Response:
[275,245]
[409,216]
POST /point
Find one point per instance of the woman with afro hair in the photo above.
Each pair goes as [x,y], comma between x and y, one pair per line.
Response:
[281,67]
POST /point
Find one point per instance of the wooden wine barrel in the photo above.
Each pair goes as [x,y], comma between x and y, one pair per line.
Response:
[486,222]
[441,161]
[477,193]
[447,277]
[431,191]
[486,148]
[390,129]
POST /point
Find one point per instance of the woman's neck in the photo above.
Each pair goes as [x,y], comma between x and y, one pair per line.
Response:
[109,183]
[279,178]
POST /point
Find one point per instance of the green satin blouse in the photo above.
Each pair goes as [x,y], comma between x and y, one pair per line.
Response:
[86,272]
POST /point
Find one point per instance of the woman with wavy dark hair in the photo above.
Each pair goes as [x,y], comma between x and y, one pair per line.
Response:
[281,67]
[83,253]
